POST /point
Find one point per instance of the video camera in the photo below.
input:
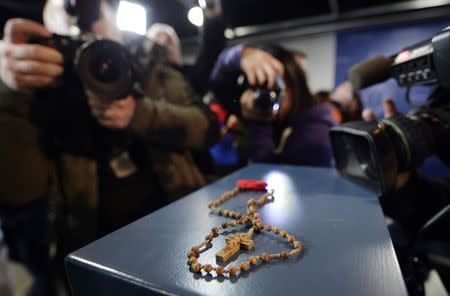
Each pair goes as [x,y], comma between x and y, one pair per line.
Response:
[376,152]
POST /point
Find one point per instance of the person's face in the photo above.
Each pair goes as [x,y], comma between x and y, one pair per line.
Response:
[165,40]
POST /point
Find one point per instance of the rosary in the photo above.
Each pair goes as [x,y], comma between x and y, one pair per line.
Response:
[241,241]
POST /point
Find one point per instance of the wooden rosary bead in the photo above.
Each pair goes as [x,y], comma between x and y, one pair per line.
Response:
[233,270]
[207,268]
[253,260]
[196,267]
[294,252]
[297,244]
[220,270]
[265,257]
[245,266]
[251,201]
[240,241]
[192,260]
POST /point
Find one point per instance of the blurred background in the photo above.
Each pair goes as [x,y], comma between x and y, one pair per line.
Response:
[334,35]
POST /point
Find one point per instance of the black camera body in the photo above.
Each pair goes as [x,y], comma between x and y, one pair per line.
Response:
[103,66]
[266,100]
[376,152]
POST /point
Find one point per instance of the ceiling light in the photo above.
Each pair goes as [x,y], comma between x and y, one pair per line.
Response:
[132,17]
[195,16]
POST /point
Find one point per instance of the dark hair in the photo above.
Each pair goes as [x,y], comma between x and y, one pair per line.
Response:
[323,96]
[295,79]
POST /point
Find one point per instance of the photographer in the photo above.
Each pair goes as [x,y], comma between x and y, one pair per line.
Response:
[296,131]
[211,43]
[387,156]
[99,193]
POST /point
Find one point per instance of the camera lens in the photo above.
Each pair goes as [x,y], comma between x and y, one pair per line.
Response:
[104,69]
[265,99]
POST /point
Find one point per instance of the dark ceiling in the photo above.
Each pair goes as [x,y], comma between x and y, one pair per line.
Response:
[237,13]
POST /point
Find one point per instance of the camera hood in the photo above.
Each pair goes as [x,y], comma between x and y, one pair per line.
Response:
[364,152]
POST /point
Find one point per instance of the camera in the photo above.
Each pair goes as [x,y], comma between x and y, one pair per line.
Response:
[103,66]
[374,153]
[266,100]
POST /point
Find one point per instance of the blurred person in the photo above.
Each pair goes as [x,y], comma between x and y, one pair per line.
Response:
[98,193]
[211,43]
[348,101]
[301,59]
[297,133]
[323,97]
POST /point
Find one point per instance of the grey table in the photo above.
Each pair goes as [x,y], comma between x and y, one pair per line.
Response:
[348,248]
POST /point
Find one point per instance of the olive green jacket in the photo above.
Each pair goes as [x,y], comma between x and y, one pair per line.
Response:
[168,121]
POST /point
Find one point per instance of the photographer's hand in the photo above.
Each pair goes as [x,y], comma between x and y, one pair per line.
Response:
[260,67]
[25,67]
[115,114]
[389,110]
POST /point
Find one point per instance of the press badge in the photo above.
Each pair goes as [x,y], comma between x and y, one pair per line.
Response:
[122,165]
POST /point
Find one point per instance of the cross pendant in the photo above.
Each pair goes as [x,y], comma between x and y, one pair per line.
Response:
[235,242]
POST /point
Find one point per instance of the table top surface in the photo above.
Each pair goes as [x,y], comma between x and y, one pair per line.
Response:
[348,250]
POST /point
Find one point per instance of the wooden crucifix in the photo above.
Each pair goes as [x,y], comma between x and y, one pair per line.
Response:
[235,242]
